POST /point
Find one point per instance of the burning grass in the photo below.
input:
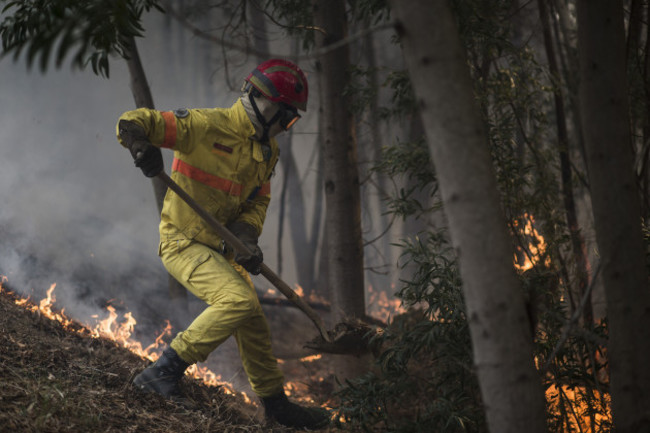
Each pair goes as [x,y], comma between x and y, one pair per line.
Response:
[57,377]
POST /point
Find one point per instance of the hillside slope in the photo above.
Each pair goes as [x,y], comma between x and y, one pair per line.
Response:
[53,379]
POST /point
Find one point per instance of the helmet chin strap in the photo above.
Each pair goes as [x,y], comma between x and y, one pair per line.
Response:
[266,125]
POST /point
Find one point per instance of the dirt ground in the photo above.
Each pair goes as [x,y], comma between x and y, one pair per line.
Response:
[53,379]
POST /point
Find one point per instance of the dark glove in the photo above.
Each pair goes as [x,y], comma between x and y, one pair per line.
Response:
[248,235]
[149,160]
[146,156]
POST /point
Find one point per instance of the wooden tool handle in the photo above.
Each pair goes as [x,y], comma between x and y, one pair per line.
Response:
[239,246]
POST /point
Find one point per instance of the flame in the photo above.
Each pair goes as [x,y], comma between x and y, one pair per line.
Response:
[120,331]
[533,253]
[44,307]
[382,308]
[302,390]
[272,293]
[316,298]
[311,358]
[299,390]
[580,416]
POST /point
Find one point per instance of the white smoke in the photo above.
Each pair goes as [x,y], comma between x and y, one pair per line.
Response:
[74,210]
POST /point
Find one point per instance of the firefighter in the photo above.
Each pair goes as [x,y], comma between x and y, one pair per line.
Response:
[224,158]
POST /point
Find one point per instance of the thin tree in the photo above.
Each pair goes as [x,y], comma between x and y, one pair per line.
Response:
[342,193]
[501,338]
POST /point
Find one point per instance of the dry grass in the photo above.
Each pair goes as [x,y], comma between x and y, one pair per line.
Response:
[55,380]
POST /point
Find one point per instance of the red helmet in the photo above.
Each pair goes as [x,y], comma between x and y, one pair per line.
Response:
[281,81]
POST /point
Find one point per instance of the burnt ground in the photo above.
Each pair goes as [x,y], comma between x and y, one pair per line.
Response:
[56,379]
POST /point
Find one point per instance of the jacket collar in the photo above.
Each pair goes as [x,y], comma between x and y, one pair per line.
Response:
[240,116]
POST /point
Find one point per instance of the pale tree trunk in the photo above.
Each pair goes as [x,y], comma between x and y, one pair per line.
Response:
[142,97]
[322,276]
[605,117]
[501,339]
[342,197]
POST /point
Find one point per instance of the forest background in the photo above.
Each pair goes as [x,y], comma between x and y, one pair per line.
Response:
[547,330]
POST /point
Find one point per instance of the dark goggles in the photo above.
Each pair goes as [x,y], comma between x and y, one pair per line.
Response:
[288,115]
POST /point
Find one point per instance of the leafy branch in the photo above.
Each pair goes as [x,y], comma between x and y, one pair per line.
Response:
[88,30]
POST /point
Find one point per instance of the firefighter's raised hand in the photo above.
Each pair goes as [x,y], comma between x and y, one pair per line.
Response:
[146,156]
[149,159]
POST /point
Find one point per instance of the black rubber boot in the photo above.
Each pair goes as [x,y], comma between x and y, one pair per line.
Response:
[163,376]
[279,409]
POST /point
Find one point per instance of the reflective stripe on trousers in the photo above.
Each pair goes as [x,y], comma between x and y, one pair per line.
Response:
[233,309]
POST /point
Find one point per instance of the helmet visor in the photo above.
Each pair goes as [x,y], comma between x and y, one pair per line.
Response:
[288,116]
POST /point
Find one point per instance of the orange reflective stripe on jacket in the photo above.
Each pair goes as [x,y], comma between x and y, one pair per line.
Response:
[206,178]
[265,189]
[170,129]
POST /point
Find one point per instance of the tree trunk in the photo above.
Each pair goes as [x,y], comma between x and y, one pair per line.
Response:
[341,180]
[143,98]
[342,197]
[605,116]
[501,338]
[319,238]
[644,158]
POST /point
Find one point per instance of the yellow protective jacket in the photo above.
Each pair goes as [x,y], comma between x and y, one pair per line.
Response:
[216,162]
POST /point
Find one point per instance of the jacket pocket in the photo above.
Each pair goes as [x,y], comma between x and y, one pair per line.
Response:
[194,265]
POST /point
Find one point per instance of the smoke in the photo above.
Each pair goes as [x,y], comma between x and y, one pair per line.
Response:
[74,212]
[74,209]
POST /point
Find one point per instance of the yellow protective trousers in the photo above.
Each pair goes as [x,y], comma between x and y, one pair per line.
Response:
[233,309]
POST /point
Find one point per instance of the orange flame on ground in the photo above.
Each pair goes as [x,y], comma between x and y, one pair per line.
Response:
[119,331]
[381,307]
[310,358]
[45,306]
[301,390]
[313,297]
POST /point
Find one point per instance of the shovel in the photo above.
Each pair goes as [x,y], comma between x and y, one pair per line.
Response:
[239,246]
